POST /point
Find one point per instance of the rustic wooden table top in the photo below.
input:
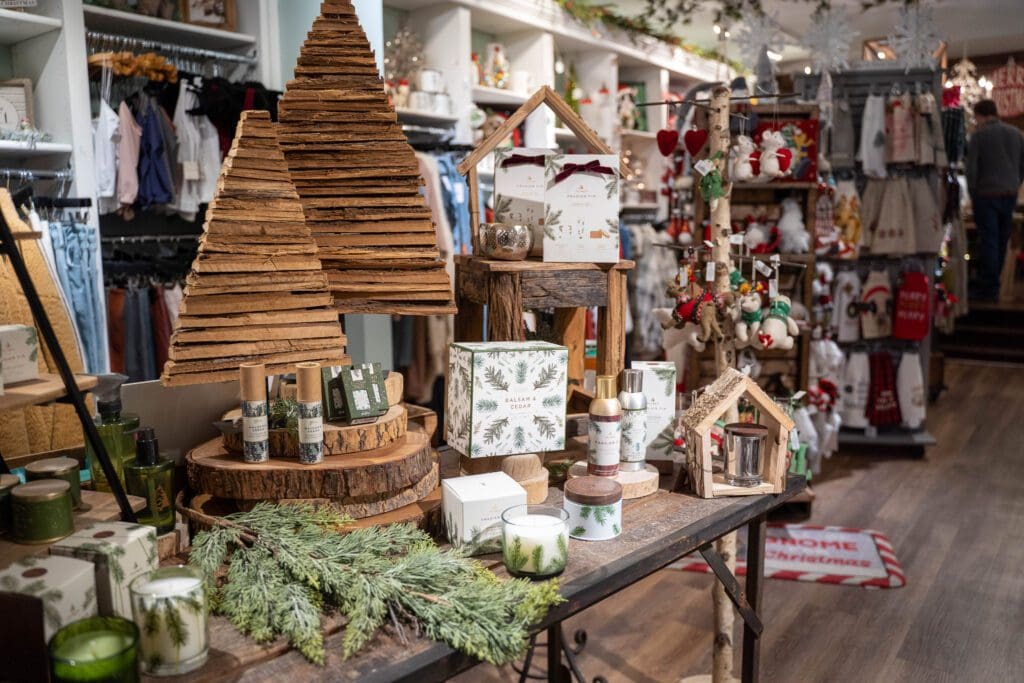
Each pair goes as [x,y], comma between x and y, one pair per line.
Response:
[657,530]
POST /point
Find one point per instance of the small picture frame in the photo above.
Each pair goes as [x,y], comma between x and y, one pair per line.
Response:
[212,13]
[18,91]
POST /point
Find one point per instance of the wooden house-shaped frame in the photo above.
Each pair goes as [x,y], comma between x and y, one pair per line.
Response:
[711,405]
[561,108]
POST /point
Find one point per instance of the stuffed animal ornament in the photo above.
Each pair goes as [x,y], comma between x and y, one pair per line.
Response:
[740,167]
[673,336]
[772,155]
[750,313]
[793,235]
[777,330]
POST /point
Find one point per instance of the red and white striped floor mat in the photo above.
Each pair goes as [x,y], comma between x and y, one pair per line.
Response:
[822,554]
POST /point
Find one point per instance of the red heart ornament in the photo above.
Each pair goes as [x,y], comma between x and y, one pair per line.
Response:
[785,158]
[668,138]
[755,162]
[694,141]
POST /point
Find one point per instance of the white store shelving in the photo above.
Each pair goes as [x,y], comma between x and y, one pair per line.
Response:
[18,26]
[108,20]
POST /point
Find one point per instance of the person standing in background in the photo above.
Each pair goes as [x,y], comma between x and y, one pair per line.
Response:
[995,170]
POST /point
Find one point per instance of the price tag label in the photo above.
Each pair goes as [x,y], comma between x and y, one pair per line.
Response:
[799,395]
[704,167]
[709,244]
[736,238]
[709,271]
[762,268]
[773,288]
[190,170]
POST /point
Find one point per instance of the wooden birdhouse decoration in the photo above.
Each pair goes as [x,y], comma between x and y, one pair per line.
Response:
[569,118]
[711,406]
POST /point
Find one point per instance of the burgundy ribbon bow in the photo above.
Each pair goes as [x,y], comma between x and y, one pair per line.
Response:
[523,160]
[589,167]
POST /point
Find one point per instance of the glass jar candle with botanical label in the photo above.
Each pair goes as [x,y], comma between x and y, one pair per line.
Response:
[535,540]
[97,649]
[169,607]
[311,413]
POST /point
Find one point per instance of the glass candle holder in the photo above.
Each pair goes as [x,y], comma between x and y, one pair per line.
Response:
[95,649]
[169,607]
[535,540]
[744,447]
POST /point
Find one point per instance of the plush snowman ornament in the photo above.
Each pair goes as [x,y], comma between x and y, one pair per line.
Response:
[777,330]
[793,236]
[740,166]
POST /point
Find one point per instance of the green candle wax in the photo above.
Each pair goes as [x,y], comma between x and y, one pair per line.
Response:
[95,649]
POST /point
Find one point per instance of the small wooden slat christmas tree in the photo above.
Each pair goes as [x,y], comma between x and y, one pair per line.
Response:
[357,176]
[257,292]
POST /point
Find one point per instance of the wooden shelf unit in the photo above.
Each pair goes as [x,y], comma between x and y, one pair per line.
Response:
[38,391]
[136,25]
[18,26]
[771,193]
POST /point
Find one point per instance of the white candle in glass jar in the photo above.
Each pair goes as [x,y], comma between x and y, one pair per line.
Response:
[535,540]
[179,644]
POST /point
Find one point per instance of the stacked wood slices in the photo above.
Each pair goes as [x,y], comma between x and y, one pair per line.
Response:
[257,292]
[357,176]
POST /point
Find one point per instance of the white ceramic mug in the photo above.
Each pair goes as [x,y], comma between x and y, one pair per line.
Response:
[431,80]
[422,101]
[442,103]
[521,81]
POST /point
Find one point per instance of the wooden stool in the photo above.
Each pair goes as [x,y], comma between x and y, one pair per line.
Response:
[506,288]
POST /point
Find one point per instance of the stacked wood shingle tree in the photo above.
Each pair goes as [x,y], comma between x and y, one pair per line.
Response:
[358,177]
[257,292]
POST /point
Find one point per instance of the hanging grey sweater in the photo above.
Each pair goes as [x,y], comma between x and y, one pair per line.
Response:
[995,160]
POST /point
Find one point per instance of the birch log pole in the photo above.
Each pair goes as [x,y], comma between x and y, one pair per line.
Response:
[725,352]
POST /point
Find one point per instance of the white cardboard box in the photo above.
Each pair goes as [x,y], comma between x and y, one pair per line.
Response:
[581,208]
[660,390]
[120,552]
[473,505]
[519,189]
[65,587]
[19,351]
[506,398]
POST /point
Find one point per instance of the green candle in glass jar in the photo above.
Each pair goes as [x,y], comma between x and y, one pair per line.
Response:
[41,511]
[95,649]
[62,468]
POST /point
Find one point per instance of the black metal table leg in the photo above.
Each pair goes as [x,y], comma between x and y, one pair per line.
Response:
[557,672]
[755,582]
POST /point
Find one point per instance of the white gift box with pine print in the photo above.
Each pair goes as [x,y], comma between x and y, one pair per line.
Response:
[581,208]
[120,552]
[519,189]
[64,586]
[660,390]
[506,398]
[472,507]
[19,349]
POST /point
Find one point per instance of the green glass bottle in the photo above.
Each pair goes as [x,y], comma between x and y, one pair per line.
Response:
[117,430]
[151,477]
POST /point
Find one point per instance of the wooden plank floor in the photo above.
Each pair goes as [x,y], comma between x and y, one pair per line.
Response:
[956,519]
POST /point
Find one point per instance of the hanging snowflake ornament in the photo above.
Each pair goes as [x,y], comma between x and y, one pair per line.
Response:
[757,34]
[828,39]
[915,37]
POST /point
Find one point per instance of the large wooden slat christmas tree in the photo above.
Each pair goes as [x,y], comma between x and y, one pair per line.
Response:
[358,177]
[257,292]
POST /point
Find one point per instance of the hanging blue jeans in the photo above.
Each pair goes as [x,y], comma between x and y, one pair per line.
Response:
[75,251]
[456,203]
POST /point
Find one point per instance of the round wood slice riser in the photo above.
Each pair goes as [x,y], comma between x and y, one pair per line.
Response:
[424,513]
[536,486]
[367,506]
[634,484]
[338,439]
[213,470]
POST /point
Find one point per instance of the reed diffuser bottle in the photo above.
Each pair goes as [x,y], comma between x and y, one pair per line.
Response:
[605,430]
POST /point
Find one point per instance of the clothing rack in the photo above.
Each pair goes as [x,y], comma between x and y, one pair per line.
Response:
[116,41]
[29,175]
[142,239]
